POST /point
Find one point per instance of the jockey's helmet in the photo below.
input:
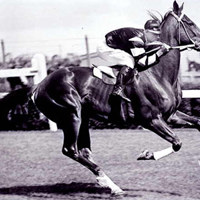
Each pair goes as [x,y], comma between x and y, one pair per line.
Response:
[153,26]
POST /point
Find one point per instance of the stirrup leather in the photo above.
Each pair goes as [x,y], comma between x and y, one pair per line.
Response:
[119,92]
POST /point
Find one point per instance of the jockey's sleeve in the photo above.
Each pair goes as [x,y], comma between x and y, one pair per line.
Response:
[145,59]
[148,60]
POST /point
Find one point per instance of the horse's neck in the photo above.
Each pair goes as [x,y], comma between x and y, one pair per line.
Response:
[170,66]
[170,63]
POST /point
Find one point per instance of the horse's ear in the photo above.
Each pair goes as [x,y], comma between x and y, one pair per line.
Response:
[175,7]
[181,8]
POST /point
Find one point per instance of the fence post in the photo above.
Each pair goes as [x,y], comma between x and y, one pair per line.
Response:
[3,53]
[39,64]
[87,50]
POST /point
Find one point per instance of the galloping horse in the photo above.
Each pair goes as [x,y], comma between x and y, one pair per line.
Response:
[72,96]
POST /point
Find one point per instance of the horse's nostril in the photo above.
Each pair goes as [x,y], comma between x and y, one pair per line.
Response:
[109,40]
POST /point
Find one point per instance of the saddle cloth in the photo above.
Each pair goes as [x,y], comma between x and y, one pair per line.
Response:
[106,74]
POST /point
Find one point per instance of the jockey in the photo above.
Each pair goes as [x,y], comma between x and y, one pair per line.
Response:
[138,52]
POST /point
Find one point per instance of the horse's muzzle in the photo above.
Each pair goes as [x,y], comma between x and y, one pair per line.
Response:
[197,46]
[197,43]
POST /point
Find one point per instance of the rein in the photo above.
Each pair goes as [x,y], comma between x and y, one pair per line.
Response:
[183,47]
[180,22]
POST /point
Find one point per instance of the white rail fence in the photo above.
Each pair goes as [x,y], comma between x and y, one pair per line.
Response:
[38,71]
[191,93]
[191,77]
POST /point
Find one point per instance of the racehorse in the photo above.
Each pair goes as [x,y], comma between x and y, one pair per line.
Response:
[70,97]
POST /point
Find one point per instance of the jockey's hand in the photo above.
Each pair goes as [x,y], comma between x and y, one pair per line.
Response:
[196,43]
[165,48]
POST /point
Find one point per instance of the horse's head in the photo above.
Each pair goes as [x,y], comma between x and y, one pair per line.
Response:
[184,30]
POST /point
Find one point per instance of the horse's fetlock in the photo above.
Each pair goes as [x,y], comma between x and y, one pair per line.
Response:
[98,171]
[177,146]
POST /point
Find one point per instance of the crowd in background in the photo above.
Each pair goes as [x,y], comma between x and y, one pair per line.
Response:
[16,110]
[53,63]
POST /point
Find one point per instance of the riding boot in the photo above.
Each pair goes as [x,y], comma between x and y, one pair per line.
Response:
[119,87]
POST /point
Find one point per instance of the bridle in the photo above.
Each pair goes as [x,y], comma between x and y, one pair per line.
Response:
[180,22]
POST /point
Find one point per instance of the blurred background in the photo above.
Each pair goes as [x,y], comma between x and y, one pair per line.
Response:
[67,33]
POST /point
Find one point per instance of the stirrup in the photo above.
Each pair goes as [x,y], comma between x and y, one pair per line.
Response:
[119,92]
[125,98]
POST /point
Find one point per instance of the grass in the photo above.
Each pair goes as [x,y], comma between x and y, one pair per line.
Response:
[33,167]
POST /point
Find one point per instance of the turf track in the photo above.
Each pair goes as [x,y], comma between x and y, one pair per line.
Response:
[33,167]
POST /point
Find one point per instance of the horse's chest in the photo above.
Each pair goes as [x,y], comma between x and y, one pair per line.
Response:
[163,98]
[167,101]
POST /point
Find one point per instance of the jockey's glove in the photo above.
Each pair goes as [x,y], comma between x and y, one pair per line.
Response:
[196,42]
[163,50]
[197,45]
[165,47]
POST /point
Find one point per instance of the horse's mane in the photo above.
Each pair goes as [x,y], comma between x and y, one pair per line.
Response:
[161,18]
[153,15]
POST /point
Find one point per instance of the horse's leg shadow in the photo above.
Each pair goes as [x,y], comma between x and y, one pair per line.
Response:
[59,188]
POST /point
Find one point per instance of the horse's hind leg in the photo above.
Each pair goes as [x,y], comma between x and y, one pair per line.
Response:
[84,143]
[70,147]
[84,147]
[80,151]
[163,130]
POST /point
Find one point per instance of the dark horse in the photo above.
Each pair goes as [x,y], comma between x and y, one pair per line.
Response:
[70,97]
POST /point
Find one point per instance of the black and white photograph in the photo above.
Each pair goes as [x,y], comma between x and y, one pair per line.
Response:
[99,100]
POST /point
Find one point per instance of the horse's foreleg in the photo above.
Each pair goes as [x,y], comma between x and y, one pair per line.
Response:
[163,130]
[190,120]
[146,155]
[174,119]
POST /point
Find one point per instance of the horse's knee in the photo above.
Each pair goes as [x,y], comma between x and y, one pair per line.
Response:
[177,146]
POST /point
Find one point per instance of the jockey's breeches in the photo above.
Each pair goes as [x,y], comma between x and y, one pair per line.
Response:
[115,56]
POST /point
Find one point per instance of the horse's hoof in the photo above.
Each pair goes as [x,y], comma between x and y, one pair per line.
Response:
[118,192]
[105,181]
[145,155]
